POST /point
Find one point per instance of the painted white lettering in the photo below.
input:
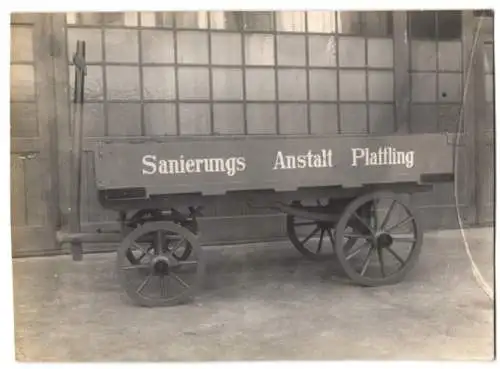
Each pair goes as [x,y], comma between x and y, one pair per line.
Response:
[150,162]
[382,156]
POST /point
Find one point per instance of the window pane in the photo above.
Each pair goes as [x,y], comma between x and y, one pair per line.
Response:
[157,19]
[191,20]
[124,119]
[377,23]
[93,43]
[450,56]
[450,87]
[381,86]
[380,53]
[193,83]
[22,83]
[94,89]
[423,55]
[160,119]
[324,119]
[21,47]
[449,24]
[259,49]
[228,119]
[323,85]
[322,51]
[194,119]
[227,84]
[293,119]
[349,22]
[232,21]
[23,120]
[352,85]
[123,83]
[321,22]
[422,24]
[449,116]
[261,118]
[381,118]
[192,47]
[260,84]
[226,49]
[423,87]
[292,84]
[121,46]
[423,118]
[128,19]
[352,52]
[86,18]
[258,21]
[290,21]
[159,83]
[291,50]
[353,118]
[157,46]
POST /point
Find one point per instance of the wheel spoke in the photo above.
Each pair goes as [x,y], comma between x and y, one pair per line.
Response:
[158,242]
[135,267]
[356,251]
[367,261]
[381,260]
[396,255]
[355,236]
[320,243]
[179,279]
[311,235]
[362,221]
[138,247]
[402,223]
[144,283]
[177,246]
[190,262]
[162,286]
[403,238]
[374,212]
[387,215]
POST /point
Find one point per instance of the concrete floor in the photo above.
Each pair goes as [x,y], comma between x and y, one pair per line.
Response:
[262,302]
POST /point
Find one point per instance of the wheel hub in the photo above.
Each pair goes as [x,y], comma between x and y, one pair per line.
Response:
[161,265]
[384,240]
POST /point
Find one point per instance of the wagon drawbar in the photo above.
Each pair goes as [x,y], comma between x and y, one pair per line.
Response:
[342,194]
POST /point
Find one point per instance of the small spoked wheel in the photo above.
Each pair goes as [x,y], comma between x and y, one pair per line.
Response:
[313,239]
[385,242]
[157,277]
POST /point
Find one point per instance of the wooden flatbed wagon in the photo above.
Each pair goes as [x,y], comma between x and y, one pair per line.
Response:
[341,193]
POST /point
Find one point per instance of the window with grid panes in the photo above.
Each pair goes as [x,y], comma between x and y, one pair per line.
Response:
[436,67]
[199,73]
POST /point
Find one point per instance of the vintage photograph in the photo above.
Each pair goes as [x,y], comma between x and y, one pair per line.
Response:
[241,185]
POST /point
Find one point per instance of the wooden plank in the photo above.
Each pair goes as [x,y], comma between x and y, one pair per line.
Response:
[18,194]
[250,164]
[36,202]
[62,112]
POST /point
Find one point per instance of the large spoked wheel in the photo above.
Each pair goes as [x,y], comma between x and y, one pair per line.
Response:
[313,239]
[158,277]
[385,243]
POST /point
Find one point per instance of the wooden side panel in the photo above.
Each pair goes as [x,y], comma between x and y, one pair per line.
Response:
[18,191]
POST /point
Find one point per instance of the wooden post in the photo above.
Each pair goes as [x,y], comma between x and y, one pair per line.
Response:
[76,152]
[401,71]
